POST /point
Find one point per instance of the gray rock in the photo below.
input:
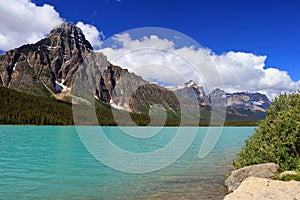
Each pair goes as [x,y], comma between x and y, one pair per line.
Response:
[37,68]
[285,173]
[240,100]
[192,91]
[254,188]
[52,65]
[267,170]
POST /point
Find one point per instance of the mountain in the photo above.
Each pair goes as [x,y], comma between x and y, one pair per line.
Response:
[218,97]
[192,91]
[240,106]
[20,108]
[132,93]
[241,100]
[47,66]
[50,66]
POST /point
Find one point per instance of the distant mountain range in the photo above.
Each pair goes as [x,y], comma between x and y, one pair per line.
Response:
[49,68]
[241,100]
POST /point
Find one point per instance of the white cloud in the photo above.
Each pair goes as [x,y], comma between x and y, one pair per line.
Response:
[23,22]
[92,34]
[246,71]
[152,57]
[158,59]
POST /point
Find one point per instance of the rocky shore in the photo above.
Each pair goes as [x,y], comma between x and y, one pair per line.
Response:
[256,182]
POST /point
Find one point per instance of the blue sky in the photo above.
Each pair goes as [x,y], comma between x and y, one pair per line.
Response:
[263,27]
[254,44]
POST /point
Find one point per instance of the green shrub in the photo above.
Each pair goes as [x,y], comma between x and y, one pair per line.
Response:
[277,139]
[291,177]
[298,165]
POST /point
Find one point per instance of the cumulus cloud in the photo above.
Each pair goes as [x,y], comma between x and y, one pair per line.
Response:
[247,71]
[153,57]
[23,22]
[92,34]
[158,59]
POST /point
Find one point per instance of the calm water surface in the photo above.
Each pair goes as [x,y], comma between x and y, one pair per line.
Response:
[39,162]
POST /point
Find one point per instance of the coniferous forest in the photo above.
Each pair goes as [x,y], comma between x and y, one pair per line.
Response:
[23,109]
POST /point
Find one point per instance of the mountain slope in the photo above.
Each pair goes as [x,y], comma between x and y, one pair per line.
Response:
[240,106]
[21,108]
[192,91]
[241,100]
[47,64]
[50,66]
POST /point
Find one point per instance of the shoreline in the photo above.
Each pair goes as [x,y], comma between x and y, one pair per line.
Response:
[129,125]
[261,181]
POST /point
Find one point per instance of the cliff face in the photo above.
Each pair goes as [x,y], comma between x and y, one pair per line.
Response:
[49,67]
[218,97]
[193,91]
[131,92]
[151,94]
[48,63]
[252,101]
[240,100]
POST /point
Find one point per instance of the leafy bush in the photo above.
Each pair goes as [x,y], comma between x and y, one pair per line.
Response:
[291,177]
[277,139]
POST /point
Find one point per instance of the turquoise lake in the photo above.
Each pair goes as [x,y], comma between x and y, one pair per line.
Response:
[44,162]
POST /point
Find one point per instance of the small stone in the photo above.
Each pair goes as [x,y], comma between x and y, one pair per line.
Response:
[285,173]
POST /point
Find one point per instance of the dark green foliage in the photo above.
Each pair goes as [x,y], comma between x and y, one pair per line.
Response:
[241,123]
[291,177]
[21,108]
[277,138]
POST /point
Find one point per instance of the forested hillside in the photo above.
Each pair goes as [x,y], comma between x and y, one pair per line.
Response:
[21,108]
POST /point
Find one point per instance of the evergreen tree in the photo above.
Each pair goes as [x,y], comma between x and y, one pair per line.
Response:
[277,139]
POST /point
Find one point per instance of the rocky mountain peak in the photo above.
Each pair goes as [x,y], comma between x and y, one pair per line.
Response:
[66,27]
[68,31]
[191,83]
[193,91]
[218,93]
[241,100]
[47,66]
[50,67]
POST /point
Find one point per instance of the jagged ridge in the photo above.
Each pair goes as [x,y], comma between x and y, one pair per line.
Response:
[218,97]
[49,67]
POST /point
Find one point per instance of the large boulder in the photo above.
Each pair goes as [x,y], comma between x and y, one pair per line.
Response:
[265,189]
[267,170]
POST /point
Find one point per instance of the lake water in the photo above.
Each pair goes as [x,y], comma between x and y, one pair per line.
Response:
[40,162]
